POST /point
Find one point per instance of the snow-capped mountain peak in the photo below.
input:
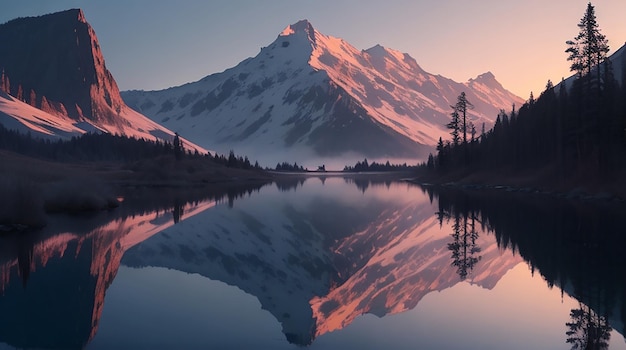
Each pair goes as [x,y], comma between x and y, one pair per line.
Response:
[302,26]
[308,96]
[487,79]
[488,75]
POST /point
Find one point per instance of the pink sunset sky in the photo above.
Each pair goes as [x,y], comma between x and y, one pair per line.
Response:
[152,45]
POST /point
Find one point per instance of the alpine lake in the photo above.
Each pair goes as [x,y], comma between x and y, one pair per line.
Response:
[323,263]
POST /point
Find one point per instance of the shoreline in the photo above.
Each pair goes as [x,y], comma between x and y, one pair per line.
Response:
[578,192]
[33,188]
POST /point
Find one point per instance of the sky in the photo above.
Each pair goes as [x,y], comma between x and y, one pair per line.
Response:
[155,44]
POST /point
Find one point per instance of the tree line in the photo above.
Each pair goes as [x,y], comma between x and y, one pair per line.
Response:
[285,166]
[110,147]
[365,166]
[575,130]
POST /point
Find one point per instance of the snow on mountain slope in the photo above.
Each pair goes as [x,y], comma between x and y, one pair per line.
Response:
[20,116]
[54,64]
[313,95]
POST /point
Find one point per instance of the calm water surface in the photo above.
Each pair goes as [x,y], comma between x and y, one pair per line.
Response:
[330,264]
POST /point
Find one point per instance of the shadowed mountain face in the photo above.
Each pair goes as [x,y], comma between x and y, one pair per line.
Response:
[54,63]
[314,95]
[54,82]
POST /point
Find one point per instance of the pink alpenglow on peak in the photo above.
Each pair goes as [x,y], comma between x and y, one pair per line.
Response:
[77,93]
[486,78]
[315,97]
[298,27]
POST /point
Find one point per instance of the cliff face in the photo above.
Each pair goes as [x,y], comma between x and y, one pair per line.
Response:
[54,62]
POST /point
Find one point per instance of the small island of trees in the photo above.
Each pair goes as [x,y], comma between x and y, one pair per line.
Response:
[365,166]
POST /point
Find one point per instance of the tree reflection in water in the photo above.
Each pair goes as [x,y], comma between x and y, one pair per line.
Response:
[587,329]
[463,246]
[576,246]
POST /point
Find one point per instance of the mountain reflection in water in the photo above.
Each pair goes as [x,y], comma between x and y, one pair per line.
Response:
[53,281]
[317,255]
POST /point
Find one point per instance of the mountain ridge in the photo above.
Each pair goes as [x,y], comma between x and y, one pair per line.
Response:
[54,63]
[310,95]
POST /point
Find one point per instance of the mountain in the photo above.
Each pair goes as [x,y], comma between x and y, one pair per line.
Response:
[54,81]
[316,96]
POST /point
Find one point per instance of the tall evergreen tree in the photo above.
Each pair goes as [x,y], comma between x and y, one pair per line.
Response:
[4,83]
[179,151]
[482,132]
[576,133]
[441,154]
[462,106]
[590,47]
[232,159]
[454,127]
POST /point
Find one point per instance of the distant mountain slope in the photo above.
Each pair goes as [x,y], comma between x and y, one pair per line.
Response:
[618,64]
[618,59]
[54,63]
[312,95]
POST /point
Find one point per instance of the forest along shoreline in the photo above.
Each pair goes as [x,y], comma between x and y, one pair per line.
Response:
[35,185]
[33,188]
[570,141]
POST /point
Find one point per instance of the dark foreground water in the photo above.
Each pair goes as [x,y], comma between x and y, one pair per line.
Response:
[333,264]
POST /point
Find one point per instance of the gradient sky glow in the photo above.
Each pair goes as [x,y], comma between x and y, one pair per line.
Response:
[153,44]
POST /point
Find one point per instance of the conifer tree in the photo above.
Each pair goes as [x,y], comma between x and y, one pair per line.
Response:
[590,47]
[455,127]
[441,156]
[5,85]
[178,148]
[462,106]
